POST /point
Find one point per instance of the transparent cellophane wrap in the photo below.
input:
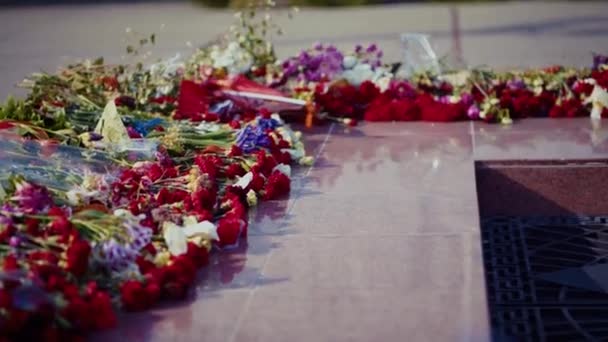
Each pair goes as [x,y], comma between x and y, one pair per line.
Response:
[60,167]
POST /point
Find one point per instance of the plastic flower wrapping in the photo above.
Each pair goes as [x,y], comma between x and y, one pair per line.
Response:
[118,181]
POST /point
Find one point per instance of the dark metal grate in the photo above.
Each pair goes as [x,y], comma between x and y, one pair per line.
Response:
[542,277]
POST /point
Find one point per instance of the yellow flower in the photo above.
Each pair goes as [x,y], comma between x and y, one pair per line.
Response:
[162,258]
[252,198]
[306,161]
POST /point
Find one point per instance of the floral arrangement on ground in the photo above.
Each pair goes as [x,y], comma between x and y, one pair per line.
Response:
[118,181]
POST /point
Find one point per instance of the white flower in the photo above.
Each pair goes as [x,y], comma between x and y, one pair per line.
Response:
[235,59]
[277,118]
[176,237]
[364,72]
[78,195]
[294,153]
[193,228]
[383,82]
[349,62]
[599,99]
[358,74]
[287,134]
[244,181]
[284,169]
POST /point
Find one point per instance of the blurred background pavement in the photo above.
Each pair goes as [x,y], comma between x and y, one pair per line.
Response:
[499,34]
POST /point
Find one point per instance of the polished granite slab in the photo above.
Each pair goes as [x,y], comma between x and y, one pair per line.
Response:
[378,241]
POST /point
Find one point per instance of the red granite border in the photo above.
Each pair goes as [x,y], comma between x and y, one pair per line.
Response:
[531,188]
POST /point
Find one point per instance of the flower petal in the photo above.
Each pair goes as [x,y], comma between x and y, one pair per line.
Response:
[244,181]
[205,228]
[175,239]
[284,169]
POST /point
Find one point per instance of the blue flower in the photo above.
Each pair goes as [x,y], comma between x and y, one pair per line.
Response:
[144,127]
[266,124]
[251,138]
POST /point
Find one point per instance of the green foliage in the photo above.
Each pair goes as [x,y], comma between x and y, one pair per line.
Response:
[18,110]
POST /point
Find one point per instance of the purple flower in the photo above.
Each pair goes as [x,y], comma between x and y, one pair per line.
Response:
[14,241]
[95,136]
[5,221]
[372,55]
[516,84]
[322,62]
[466,99]
[32,198]
[599,60]
[473,112]
[117,255]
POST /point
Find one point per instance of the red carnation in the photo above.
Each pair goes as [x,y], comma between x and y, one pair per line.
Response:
[144,265]
[208,165]
[379,110]
[601,77]
[432,110]
[78,257]
[569,108]
[368,92]
[136,297]
[278,185]
[405,110]
[234,124]
[77,312]
[110,82]
[281,157]
[10,263]
[229,230]
[581,87]
[257,182]
[154,171]
[235,151]
[234,170]
[60,225]
[203,198]
[192,101]
[265,163]
[199,255]
[101,306]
